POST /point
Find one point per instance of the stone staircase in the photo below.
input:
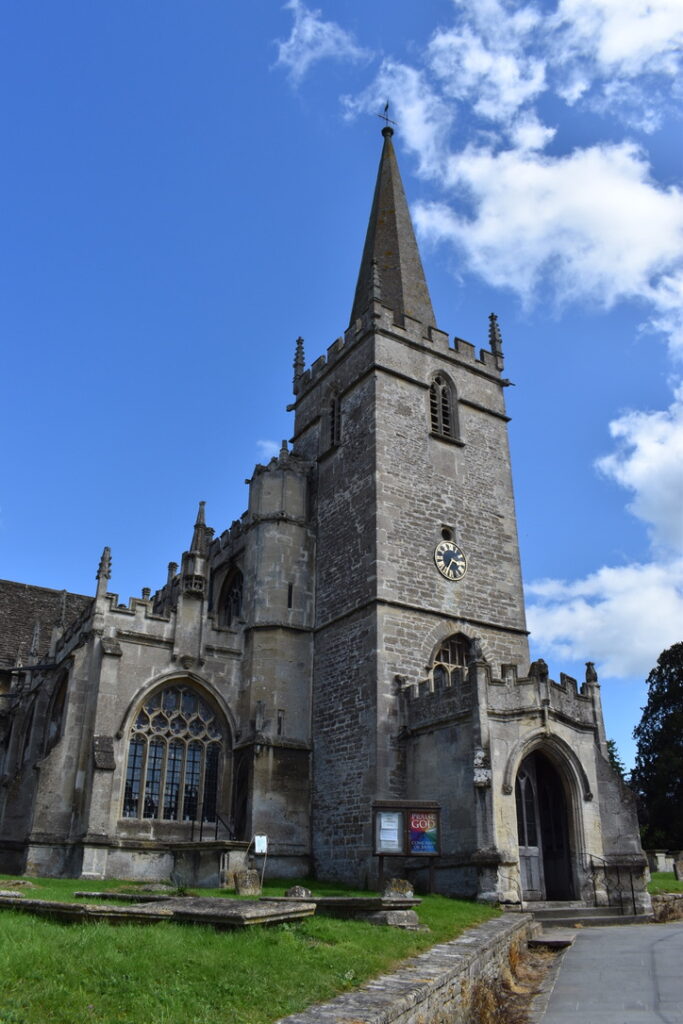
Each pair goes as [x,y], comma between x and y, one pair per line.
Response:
[574,913]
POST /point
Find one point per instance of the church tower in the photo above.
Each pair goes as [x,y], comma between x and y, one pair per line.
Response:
[416,534]
[423,699]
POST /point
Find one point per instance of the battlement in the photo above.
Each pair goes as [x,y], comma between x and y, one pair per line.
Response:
[142,607]
[382,318]
[434,699]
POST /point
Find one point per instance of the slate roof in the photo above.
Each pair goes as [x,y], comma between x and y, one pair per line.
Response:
[21,606]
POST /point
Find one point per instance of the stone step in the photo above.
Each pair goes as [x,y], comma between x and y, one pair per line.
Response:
[542,913]
[583,920]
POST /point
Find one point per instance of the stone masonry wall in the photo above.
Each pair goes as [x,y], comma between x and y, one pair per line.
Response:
[434,988]
[344,710]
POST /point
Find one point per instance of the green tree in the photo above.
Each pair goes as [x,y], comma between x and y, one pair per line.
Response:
[658,774]
[615,758]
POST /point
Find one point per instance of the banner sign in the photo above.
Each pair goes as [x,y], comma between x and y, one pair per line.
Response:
[423,832]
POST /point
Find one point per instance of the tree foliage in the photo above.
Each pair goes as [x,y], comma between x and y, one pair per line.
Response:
[615,758]
[658,774]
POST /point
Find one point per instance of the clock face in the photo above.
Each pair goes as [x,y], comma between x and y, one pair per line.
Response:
[450,561]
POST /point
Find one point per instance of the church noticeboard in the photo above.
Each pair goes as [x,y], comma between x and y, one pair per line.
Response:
[389,832]
[406,829]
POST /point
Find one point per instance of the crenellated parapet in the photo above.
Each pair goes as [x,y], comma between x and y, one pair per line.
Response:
[431,700]
[381,319]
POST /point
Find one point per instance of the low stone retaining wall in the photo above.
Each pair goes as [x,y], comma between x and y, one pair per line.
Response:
[434,988]
[668,906]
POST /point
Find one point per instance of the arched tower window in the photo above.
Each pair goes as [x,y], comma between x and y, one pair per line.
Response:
[175,754]
[230,600]
[450,663]
[442,408]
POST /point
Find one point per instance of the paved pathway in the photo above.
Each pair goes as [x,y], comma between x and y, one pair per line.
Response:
[624,974]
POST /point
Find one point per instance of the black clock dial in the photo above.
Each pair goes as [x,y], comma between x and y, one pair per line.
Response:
[450,561]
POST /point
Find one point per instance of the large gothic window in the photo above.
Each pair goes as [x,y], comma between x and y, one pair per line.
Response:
[230,600]
[174,758]
[442,408]
[450,664]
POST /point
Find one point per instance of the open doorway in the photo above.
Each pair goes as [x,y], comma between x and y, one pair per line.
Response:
[543,830]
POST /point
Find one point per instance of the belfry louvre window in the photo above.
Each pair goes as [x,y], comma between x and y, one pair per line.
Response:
[334,421]
[450,664]
[174,758]
[442,411]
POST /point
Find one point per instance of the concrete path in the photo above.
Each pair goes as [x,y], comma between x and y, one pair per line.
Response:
[624,974]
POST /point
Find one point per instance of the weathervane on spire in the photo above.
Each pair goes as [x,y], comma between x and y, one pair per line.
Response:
[385,116]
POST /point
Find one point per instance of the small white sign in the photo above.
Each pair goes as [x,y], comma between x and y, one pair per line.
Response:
[260,844]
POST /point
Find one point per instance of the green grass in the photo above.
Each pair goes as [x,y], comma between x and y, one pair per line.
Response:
[664,881]
[102,973]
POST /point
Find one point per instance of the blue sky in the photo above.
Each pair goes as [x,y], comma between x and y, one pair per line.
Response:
[186,191]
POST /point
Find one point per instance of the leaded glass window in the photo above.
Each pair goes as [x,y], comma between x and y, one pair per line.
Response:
[450,664]
[174,758]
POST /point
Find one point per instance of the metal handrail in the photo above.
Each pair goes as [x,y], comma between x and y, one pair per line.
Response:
[620,890]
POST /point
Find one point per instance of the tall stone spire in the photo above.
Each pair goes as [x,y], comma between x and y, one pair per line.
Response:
[391,261]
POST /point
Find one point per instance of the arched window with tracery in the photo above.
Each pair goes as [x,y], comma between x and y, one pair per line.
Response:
[450,667]
[175,756]
[442,408]
[230,600]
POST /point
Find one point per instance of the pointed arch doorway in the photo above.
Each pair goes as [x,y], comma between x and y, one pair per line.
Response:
[543,830]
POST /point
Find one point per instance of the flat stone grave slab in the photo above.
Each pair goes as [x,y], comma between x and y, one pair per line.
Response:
[128,897]
[349,906]
[207,910]
[395,911]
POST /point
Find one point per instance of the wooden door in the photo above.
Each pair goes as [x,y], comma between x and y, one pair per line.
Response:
[529,833]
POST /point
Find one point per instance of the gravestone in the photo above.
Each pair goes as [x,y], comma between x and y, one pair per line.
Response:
[247,883]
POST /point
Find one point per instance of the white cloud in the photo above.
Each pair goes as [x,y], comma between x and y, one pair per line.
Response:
[424,117]
[649,462]
[527,133]
[591,224]
[621,618]
[268,449]
[622,37]
[487,71]
[312,40]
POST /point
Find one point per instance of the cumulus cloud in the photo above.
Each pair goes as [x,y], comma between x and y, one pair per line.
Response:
[619,617]
[592,224]
[424,116]
[623,38]
[312,40]
[497,78]
[624,616]
[649,463]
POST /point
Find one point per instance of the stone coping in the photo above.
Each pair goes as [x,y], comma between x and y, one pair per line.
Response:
[216,911]
[351,904]
[428,988]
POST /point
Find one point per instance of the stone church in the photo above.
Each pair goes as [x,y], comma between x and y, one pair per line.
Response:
[344,669]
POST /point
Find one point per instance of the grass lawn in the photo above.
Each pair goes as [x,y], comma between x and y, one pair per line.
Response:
[54,973]
[664,881]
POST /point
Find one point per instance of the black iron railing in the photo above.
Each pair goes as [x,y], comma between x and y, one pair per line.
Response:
[617,887]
